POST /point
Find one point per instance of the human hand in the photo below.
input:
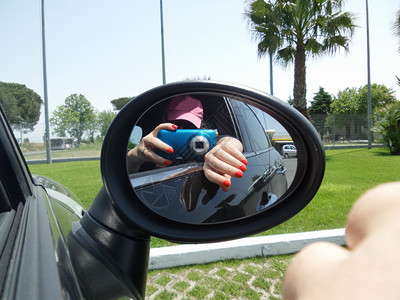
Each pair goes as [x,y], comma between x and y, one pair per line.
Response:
[146,150]
[225,161]
[368,269]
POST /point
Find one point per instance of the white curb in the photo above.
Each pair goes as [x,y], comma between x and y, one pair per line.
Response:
[173,256]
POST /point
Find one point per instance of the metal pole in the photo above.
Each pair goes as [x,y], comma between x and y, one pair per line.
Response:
[162,42]
[46,102]
[271,75]
[369,104]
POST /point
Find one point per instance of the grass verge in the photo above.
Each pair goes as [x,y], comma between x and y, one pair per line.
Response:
[348,174]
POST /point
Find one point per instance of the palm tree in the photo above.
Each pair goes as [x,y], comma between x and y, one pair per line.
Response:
[293,29]
[396,31]
[396,26]
[387,123]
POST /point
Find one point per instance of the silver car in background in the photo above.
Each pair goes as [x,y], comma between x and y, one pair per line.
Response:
[289,151]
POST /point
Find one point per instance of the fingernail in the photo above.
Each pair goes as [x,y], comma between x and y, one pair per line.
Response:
[174,126]
[167,162]
[226,183]
[170,150]
[242,168]
[244,161]
[238,174]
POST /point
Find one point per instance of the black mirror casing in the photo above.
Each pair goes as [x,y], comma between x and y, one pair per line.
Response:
[124,212]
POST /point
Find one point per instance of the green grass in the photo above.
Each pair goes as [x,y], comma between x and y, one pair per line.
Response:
[83,178]
[85,150]
[348,174]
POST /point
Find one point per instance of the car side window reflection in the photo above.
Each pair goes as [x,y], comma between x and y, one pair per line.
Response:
[251,126]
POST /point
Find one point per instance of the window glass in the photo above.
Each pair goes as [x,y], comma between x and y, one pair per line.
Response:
[250,126]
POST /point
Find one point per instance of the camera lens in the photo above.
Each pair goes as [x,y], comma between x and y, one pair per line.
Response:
[199,145]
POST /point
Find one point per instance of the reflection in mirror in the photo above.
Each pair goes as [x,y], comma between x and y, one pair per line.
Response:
[208,159]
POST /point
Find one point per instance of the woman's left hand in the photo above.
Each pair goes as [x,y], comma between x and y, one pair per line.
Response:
[224,161]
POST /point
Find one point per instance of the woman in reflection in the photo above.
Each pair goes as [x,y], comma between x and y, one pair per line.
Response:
[221,163]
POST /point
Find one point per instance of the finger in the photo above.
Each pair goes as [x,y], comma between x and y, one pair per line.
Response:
[223,180]
[166,126]
[154,157]
[232,146]
[223,167]
[152,141]
[237,161]
[311,267]
[369,215]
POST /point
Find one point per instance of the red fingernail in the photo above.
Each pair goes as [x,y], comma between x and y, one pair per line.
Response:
[226,183]
[242,168]
[174,126]
[167,162]
[244,161]
[238,174]
[170,150]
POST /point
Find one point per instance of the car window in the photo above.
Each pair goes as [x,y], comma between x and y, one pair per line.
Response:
[250,127]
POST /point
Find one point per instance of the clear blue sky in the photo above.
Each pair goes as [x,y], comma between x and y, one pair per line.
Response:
[110,49]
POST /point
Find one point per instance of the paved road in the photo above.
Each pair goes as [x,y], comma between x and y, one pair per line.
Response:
[291,165]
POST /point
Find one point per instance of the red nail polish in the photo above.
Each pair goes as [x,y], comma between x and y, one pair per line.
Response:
[238,174]
[242,168]
[167,162]
[170,150]
[244,161]
[226,183]
[174,126]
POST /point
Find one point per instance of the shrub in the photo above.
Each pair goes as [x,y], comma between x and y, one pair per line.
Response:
[387,124]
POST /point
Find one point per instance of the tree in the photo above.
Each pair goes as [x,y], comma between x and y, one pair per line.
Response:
[119,103]
[75,117]
[396,27]
[396,31]
[387,123]
[104,120]
[21,104]
[319,110]
[293,29]
[354,101]
[350,106]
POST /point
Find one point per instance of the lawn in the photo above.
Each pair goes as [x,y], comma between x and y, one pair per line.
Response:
[348,174]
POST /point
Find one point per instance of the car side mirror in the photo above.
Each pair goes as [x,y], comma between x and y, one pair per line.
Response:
[131,202]
[132,206]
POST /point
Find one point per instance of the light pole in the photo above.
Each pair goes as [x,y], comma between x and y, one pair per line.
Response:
[162,42]
[271,74]
[46,102]
[369,104]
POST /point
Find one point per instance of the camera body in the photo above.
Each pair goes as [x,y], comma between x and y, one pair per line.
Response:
[188,144]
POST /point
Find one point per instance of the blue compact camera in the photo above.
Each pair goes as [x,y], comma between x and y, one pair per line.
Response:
[188,144]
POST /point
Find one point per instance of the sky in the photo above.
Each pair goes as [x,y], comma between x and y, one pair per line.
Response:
[111,49]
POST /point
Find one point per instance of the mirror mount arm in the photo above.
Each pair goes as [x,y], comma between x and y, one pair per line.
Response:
[102,237]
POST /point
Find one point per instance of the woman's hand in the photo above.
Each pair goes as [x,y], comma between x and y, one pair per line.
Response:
[224,161]
[146,150]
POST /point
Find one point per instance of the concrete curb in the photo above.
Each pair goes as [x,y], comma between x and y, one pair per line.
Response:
[181,255]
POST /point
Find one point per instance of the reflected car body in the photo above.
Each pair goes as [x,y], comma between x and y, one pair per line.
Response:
[289,151]
[182,193]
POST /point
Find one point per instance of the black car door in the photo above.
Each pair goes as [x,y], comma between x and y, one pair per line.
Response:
[30,260]
[265,165]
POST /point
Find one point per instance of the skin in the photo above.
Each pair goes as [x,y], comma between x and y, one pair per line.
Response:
[369,268]
[221,163]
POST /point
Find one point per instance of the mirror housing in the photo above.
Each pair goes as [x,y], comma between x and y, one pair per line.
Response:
[118,208]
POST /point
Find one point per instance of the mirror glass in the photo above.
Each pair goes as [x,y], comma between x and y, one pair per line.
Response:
[204,158]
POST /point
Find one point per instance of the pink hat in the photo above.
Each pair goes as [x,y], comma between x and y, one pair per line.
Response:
[185,108]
